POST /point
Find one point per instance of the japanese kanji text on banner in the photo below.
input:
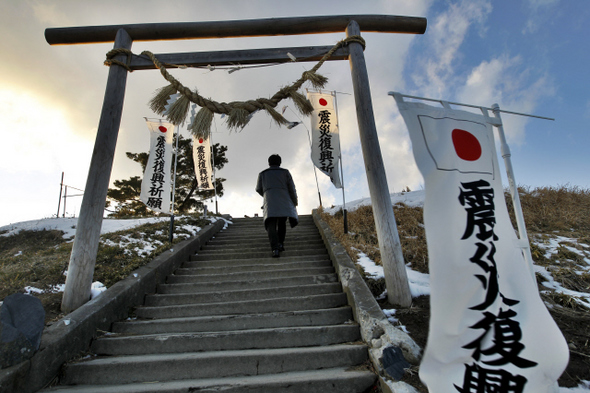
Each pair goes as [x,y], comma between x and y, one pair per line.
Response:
[325,139]
[155,186]
[489,328]
[202,159]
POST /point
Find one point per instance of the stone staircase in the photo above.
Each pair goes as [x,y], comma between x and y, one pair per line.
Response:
[233,319]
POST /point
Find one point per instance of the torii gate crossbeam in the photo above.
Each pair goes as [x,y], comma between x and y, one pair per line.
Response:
[83,257]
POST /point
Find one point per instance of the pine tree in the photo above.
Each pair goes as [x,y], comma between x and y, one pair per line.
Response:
[187,199]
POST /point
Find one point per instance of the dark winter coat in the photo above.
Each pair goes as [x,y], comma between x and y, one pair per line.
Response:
[276,185]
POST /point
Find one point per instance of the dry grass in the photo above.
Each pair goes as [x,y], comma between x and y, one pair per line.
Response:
[39,259]
[562,210]
[548,211]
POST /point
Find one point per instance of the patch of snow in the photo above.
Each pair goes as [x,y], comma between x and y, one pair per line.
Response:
[68,225]
[389,313]
[96,289]
[410,199]
[419,282]
[583,387]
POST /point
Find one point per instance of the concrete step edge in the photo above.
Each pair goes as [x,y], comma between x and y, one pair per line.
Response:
[263,338]
[163,367]
[285,273]
[330,316]
[332,380]
[312,302]
[243,295]
[245,284]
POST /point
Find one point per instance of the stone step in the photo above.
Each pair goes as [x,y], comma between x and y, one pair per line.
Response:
[332,316]
[333,380]
[217,246]
[219,364]
[283,337]
[262,263]
[314,302]
[160,300]
[244,266]
[261,234]
[246,284]
[249,249]
[201,256]
[187,277]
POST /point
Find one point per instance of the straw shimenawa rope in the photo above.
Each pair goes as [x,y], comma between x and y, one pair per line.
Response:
[238,112]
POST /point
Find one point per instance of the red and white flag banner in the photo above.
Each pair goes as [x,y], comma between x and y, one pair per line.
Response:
[489,329]
[155,186]
[202,159]
[325,137]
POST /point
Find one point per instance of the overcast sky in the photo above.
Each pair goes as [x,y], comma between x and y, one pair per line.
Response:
[530,56]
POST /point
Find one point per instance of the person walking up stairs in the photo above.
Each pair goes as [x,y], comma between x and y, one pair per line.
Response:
[234,319]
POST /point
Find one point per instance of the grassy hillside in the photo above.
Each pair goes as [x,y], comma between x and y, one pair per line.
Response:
[35,262]
[558,224]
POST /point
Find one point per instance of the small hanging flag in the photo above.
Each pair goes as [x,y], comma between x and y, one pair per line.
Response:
[202,159]
[325,137]
[155,186]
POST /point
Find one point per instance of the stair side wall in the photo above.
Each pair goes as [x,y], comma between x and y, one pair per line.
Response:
[376,330]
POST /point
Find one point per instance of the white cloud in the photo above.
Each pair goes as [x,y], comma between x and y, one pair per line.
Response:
[507,82]
[447,33]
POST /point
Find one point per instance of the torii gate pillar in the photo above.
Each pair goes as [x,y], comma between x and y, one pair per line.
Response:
[85,248]
[392,259]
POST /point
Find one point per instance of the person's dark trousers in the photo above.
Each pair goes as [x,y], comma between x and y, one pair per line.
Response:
[277,230]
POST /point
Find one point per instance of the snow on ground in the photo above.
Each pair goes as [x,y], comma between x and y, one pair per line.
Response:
[411,199]
[68,225]
[583,387]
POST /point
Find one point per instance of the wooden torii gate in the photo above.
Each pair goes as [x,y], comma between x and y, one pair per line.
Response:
[83,257]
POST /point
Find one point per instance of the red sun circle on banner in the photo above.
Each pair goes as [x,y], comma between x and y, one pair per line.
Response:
[162,129]
[466,145]
[200,140]
[323,102]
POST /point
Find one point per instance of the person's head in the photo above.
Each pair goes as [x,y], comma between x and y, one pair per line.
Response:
[274,160]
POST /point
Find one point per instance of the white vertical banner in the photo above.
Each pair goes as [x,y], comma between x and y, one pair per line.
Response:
[325,137]
[202,159]
[155,186]
[489,329]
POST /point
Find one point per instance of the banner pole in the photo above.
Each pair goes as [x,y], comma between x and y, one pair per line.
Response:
[344,212]
[61,187]
[171,231]
[505,149]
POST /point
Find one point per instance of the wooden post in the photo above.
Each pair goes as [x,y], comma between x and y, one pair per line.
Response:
[396,279]
[83,257]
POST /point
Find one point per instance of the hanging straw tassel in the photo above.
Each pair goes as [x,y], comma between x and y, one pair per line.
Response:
[238,118]
[318,81]
[178,110]
[276,116]
[201,126]
[301,102]
[158,103]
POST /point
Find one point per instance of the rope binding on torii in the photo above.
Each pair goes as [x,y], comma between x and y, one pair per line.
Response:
[238,113]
